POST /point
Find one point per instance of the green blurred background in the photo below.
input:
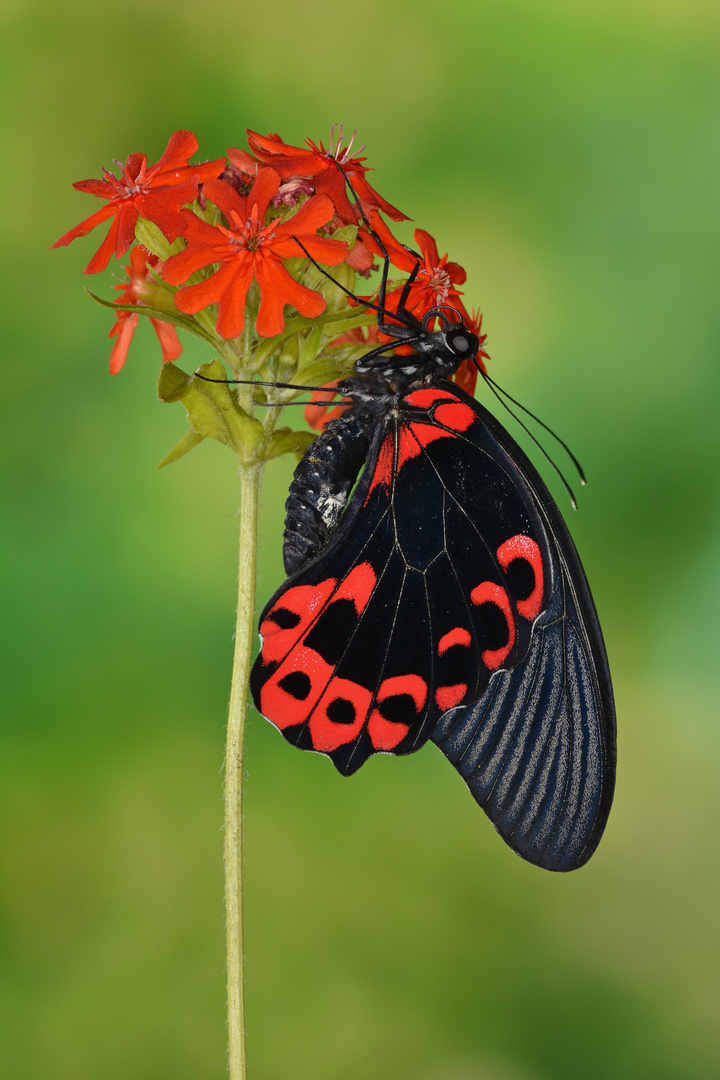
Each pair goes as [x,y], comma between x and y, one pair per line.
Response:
[567,155]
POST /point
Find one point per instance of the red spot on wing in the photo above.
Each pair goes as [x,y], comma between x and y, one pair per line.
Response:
[489,593]
[410,446]
[341,697]
[413,437]
[458,636]
[303,686]
[284,708]
[447,696]
[459,417]
[423,434]
[425,399]
[384,465]
[455,414]
[357,586]
[303,601]
[523,547]
[387,734]
[413,685]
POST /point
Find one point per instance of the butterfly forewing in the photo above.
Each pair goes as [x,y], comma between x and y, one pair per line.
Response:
[431,584]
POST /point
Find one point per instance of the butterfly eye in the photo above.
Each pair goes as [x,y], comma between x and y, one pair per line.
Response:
[462,343]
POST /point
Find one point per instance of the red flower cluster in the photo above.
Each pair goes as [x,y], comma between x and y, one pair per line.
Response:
[277,203]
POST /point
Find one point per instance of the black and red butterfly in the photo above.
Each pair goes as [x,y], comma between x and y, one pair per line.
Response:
[441,599]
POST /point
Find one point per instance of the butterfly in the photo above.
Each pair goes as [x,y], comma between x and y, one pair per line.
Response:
[434,593]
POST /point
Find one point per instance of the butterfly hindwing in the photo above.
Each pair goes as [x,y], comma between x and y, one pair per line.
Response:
[537,749]
[430,585]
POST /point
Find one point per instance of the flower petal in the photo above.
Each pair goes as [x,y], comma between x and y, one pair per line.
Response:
[103,189]
[102,256]
[135,165]
[123,330]
[203,242]
[399,255]
[169,341]
[231,316]
[196,297]
[264,187]
[466,377]
[315,212]
[329,252]
[370,197]
[287,160]
[225,197]
[179,148]
[277,288]
[126,220]
[85,226]
[428,247]
[243,161]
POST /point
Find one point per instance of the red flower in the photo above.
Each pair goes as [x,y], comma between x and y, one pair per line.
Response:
[245,249]
[435,281]
[156,193]
[322,166]
[136,291]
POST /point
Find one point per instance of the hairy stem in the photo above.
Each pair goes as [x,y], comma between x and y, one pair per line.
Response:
[250,476]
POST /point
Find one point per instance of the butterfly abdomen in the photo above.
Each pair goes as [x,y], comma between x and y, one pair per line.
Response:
[321,485]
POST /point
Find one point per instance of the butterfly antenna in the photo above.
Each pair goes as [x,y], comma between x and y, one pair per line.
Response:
[259,382]
[282,386]
[345,402]
[382,310]
[526,429]
[542,424]
[323,271]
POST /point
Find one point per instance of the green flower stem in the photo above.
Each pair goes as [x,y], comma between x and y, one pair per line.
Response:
[250,478]
[250,482]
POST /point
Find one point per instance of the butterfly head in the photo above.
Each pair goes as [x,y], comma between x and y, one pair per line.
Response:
[450,344]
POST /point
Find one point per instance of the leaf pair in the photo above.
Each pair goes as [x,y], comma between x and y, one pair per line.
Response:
[214,412]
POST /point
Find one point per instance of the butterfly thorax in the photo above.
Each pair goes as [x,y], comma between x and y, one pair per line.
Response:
[436,355]
[325,477]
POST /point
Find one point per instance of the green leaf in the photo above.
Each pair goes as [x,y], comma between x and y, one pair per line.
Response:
[173,317]
[188,442]
[212,409]
[324,370]
[287,441]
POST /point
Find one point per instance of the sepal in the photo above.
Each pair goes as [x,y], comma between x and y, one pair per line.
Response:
[151,237]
